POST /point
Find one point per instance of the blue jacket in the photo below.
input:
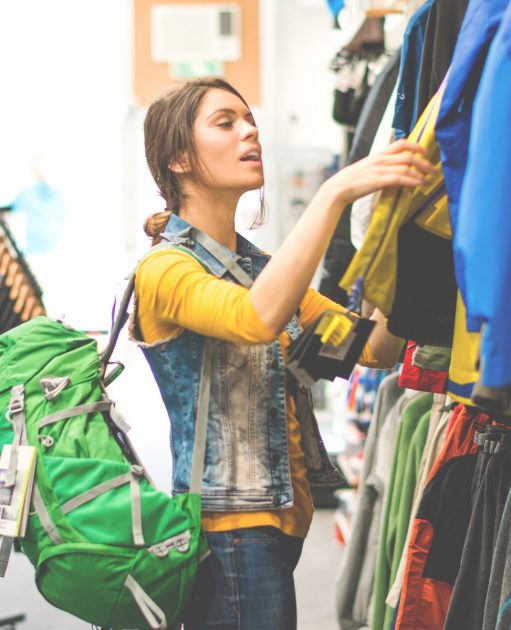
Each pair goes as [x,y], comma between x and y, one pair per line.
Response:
[247,464]
[481,246]
[406,114]
[453,124]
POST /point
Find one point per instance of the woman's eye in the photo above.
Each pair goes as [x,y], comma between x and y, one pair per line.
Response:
[225,125]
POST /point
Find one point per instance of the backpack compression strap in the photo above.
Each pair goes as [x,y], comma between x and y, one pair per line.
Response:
[16,417]
[153,614]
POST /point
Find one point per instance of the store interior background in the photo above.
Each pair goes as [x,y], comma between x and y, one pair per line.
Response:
[69,118]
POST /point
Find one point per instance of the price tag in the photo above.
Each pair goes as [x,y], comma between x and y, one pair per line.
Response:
[324,322]
[338,329]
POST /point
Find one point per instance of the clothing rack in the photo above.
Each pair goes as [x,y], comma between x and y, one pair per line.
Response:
[20,293]
[431,539]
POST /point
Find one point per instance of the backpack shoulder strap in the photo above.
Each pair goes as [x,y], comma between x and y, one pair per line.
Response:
[122,316]
[182,248]
[192,235]
[120,319]
[219,252]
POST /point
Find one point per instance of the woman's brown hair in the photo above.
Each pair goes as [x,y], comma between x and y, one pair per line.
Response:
[168,137]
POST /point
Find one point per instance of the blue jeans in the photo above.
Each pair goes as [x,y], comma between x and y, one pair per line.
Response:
[246,583]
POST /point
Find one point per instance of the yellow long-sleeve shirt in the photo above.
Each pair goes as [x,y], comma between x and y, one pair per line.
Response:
[175,292]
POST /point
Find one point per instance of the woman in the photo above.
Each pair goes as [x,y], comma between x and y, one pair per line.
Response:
[203,151]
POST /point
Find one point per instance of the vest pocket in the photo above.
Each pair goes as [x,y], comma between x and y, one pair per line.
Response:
[237,355]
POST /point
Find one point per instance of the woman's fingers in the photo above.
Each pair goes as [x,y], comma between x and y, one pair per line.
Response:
[411,160]
[395,177]
[405,145]
[403,163]
[404,169]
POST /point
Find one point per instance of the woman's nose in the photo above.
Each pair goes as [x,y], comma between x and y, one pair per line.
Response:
[249,130]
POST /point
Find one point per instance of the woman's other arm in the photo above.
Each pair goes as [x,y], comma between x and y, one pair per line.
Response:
[382,349]
[382,345]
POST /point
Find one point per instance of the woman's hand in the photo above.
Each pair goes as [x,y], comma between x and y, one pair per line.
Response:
[403,163]
[279,289]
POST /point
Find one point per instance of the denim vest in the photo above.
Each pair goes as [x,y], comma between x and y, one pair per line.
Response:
[247,464]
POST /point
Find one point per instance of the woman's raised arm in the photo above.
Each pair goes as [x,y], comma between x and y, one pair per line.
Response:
[279,289]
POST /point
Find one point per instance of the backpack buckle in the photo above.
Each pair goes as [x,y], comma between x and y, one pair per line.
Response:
[180,542]
[17,402]
[52,386]
[137,470]
[46,440]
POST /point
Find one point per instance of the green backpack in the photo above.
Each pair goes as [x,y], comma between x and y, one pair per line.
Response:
[106,545]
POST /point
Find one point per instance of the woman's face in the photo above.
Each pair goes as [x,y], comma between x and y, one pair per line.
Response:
[227,144]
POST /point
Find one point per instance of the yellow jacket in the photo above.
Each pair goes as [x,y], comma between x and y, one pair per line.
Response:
[463,371]
[376,261]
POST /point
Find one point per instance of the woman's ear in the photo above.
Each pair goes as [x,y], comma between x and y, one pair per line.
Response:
[180,166]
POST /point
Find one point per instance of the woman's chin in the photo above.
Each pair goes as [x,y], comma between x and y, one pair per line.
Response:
[255,184]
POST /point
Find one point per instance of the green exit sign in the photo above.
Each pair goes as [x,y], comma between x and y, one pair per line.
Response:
[193,69]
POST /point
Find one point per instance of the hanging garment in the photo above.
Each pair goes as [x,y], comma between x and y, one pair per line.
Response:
[377,269]
[453,124]
[376,261]
[440,526]
[493,482]
[497,399]
[413,430]
[405,112]
[363,207]
[425,301]
[43,207]
[355,583]
[463,371]
[482,241]
[432,357]
[420,378]
[441,414]
[497,609]
[374,108]
[444,21]
[365,386]
[351,87]
[340,250]
[335,6]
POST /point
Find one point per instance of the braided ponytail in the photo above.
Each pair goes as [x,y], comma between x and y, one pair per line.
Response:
[155,224]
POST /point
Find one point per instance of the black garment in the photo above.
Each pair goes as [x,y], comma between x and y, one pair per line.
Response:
[466,609]
[442,28]
[337,259]
[348,104]
[340,251]
[446,504]
[495,399]
[425,302]
[374,108]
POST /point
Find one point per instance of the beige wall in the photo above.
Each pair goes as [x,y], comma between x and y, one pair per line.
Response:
[152,78]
